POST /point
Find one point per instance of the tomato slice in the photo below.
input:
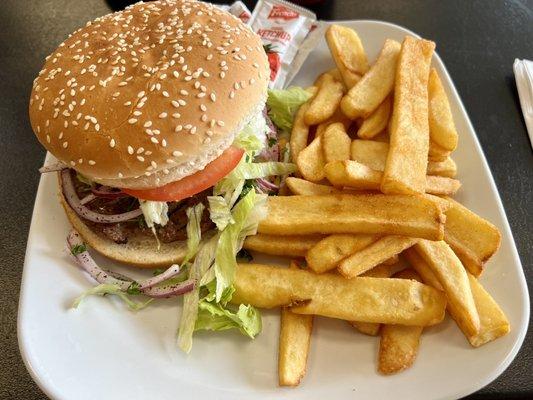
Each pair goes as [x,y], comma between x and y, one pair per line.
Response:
[192,184]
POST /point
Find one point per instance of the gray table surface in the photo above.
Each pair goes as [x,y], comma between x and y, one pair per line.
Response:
[478,41]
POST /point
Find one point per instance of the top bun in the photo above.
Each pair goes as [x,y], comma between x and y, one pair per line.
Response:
[151,94]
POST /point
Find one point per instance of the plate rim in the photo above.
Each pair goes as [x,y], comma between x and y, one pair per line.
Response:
[51,391]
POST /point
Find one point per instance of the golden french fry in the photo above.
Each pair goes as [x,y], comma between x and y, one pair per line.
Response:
[367,94]
[374,254]
[393,301]
[441,185]
[355,175]
[337,116]
[391,260]
[347,52]
[454,280]
[441,126]
[334,73]
[492,321]
[437,153]
[374,155]
[446,168]
[325,102]
[303,187]
[292,246]
[415,216]
[380,271]
[471,237]
[352,174]
[311,161]
[336,143]
[294,339]
[331,250]
[383,137]
[300,132]
[406,166]
[398,346]
[377,121]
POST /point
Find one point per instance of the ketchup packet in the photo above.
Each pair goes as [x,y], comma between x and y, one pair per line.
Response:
[283,28]
[237,9]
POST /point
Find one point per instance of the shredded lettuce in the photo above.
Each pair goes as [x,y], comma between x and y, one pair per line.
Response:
[203,261]
[215,317]
[219,212]
[106,288]
[225,262]
[194,232]
[261,170]
[283,105]
[155,212]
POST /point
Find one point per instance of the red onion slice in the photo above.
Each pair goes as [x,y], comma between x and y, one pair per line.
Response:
[58,166]
[108,192]
[85,260]
[87,199]
[172,271]
[266,184]
[146,287]
[74,202]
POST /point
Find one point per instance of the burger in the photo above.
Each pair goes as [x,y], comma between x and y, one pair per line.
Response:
[147,111]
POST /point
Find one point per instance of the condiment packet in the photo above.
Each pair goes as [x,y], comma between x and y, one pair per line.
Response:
[238,9]
[283,28]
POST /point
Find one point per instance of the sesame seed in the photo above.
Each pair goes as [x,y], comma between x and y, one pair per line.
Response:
[164,143]
[65,145]
[140,150]
[220,123]
[176,115]
[130,150]
[177,153]
[178,128]
[193,130]
[92,162]
[112,143]
[153,164]
[137,113]
[132,121]
[140,158]
[203,107]
[213,97]
[182,102]
[163,115]
[147,124]
[184,92]
[120,175]
[165,93]
[175,103]
[176,74]
[231,94]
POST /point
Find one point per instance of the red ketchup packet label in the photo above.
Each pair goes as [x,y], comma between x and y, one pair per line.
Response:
[237,9]
[283,27]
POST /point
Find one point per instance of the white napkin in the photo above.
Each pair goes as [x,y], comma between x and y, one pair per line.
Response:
[523,72]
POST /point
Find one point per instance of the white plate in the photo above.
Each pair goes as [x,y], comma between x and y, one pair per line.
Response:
[101,351]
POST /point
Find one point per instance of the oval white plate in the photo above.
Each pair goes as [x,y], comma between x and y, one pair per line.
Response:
[102,351]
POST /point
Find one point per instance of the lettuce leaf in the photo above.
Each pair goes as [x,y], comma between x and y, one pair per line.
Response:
[194,232]
[219,212]
[283,105]
[215,317]
[189,314]
[225,262]
[252,138]
[155,212]
[261,170]
[106,288]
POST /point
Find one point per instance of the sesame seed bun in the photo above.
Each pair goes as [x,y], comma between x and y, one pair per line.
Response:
[146,96]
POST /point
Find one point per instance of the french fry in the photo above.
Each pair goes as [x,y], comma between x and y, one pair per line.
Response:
[437,153]
[441,126]
[376,122]
[311,161]
[492,321]
[454,280]
[292,246]
[336,143]
[331,250]
[376,253]
[380,271]
[391,260]
[347,52]
[300,132]
[406,166]
[392,301]
[294,340]
[325,102]
[374,155]
[334,73]
[352,174]
[415,216]
[398,346]
[303,187]
[471,237]
[367,94]
[337,116]
[355,175]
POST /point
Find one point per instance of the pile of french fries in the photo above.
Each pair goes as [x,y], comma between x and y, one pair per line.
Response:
[378,241]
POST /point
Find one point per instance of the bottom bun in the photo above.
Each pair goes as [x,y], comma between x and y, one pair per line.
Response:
[140,251]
